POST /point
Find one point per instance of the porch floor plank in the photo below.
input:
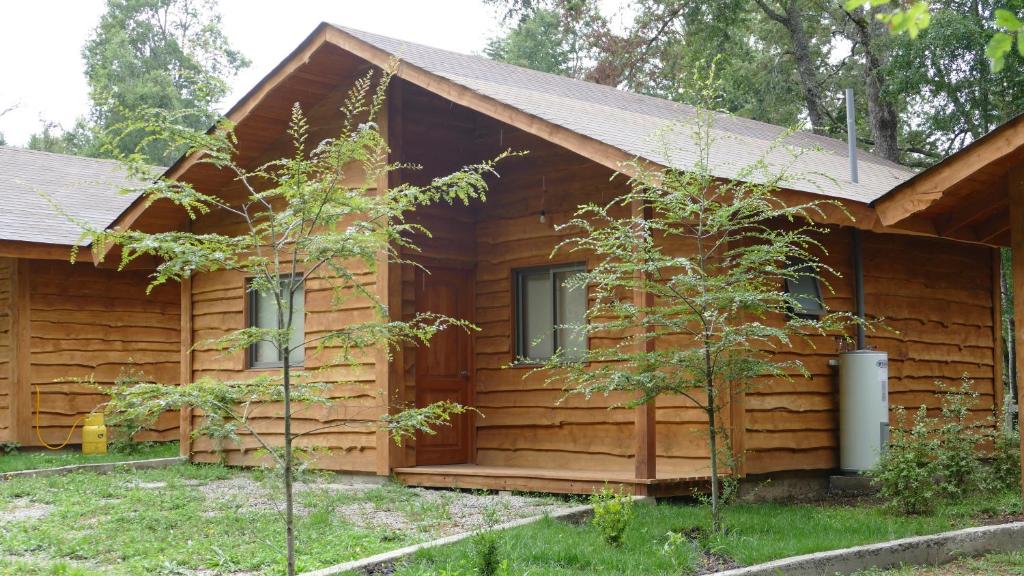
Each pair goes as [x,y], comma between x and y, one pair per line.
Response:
[472,476]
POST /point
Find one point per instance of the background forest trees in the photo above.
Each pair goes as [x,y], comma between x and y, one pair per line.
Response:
[788,62]
[169,55]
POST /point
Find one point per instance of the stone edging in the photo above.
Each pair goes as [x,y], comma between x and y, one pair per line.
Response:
[99,468]
[576,514]
[919,550]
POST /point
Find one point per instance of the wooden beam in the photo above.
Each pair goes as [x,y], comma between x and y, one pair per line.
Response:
[21,331]
[993,227]
[981,206]
[13,374]
[997,333]
[645,433]
[185,377]
[386,389]
[1015,183]
[928,187]
[39,251]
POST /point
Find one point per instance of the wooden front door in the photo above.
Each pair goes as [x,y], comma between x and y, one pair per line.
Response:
[443,367]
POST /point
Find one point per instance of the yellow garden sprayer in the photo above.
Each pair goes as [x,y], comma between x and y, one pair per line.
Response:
[94,430]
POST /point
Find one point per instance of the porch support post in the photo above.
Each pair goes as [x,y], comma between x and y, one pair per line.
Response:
[1015,181]
[185,373]
[645,425]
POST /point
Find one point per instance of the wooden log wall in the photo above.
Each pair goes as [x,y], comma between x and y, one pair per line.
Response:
[218,301]
[523,423]
[7,392]
[84,322]
[936,301]
[936,295]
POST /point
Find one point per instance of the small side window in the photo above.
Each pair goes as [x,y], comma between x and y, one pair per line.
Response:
[806,290]
[263,314]
[546,310]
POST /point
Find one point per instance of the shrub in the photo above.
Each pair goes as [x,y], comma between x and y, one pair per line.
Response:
[1004,469]
[943,456]
[612,512]
[906,471]
[487,553]
[957,457]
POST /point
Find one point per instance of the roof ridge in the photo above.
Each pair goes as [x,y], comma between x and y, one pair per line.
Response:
[22,149]
[865,155]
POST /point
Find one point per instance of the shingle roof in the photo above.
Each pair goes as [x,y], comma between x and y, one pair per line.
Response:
[85,188]
[629,122]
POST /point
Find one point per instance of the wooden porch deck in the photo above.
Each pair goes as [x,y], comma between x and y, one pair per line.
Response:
[476,477]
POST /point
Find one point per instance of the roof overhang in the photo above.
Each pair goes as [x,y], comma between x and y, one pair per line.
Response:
[966,196]
[40,250]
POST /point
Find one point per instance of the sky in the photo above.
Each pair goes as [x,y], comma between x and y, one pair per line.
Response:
[42,73]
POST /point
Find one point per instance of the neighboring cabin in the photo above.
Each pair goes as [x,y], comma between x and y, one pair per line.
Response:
[490,264]
[60,320]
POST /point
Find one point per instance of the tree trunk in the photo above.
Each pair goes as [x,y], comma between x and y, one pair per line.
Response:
[709,385]
[289,515]
[881,113]
[791,18]
[806,70]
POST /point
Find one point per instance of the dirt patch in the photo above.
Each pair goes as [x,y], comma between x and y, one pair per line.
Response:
[24,509]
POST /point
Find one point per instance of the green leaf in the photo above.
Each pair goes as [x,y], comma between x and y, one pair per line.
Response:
[1020,44]
[997,48]
[852,5]
[1007,20]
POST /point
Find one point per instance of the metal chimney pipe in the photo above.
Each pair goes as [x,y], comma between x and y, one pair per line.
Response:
[851,134]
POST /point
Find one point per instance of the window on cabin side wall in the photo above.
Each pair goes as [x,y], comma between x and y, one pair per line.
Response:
[263,314]
[806,288]
[547,311]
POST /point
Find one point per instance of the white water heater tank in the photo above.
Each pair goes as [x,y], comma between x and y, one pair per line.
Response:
[863,409]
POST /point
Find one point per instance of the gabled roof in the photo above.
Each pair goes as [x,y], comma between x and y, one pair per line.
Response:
[604,124]
[85,188]
[629,122]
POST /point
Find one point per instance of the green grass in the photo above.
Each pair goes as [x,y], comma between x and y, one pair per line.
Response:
[127,524]
[36,459]
[757,533]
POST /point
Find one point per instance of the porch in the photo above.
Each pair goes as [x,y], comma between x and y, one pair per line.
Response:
[478,477]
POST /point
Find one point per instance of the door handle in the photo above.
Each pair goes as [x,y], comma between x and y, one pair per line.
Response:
[464,374]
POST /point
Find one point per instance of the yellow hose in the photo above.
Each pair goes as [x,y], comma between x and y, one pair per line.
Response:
[39,434]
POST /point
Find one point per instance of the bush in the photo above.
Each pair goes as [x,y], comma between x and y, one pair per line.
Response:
[612,512]
[943,456]
[1004,469]
[906,472]
[487,553]
[957,458]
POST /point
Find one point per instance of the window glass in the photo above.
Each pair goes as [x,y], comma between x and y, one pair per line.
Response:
[537,319]
[807,291]
[547,312]
[263,314]
[571,315]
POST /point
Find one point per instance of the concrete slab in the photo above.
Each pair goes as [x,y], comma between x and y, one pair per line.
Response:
[101,468]
[920,550]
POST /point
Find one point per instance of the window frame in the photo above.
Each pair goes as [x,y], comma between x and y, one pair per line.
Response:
[818,296]
[518,275]
[251,306]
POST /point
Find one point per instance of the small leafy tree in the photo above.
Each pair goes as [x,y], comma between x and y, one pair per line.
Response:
[712,258]
[301,221]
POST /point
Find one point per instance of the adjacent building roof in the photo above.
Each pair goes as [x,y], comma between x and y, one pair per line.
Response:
[632,123]
[31,182]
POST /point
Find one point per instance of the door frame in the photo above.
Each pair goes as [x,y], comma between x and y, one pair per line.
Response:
[468,271]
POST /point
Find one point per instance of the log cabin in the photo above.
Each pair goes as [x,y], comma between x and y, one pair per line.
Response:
[489,263]
[61,321]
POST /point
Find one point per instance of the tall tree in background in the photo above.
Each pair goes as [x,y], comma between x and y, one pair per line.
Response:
[169,55]
[788,62]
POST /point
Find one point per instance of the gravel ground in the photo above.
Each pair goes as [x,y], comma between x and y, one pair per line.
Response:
[24,509]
